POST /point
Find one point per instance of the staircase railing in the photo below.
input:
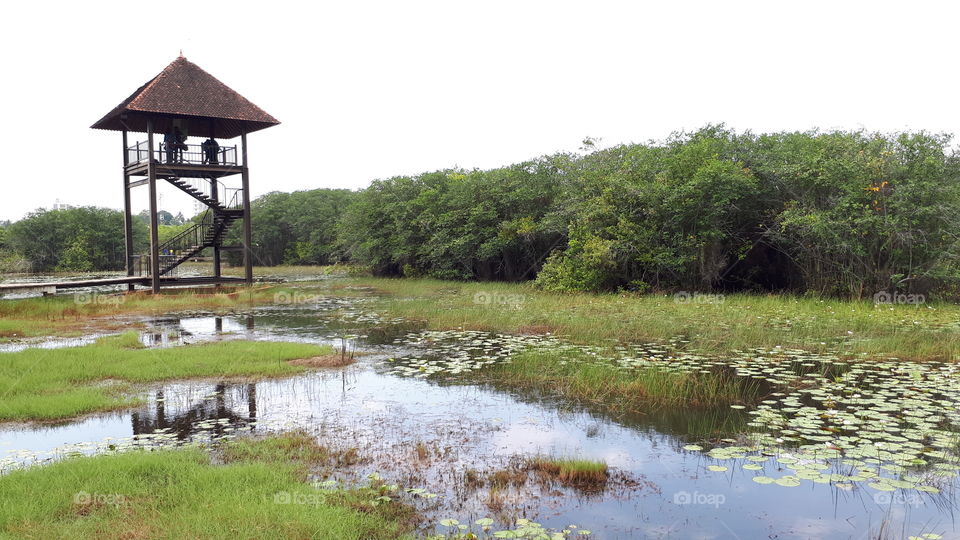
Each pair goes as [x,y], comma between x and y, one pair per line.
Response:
[189,237]
[235,202]
[141,264]
[228,198]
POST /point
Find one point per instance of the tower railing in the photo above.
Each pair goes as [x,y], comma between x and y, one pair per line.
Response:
[138,152]
[187,154]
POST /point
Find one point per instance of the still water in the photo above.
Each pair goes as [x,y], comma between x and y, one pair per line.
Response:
[658,488]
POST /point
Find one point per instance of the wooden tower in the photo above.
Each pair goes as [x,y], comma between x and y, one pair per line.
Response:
[185,102]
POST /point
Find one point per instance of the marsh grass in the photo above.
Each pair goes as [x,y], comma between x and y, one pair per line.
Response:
[578,376]
[292,271]
[51,384]
[295,447]
[174,494]
[580,473]
[738,321]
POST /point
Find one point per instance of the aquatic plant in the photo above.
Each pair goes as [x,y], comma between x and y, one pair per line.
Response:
[483,529]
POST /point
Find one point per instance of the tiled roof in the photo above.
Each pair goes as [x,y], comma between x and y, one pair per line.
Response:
[205,106]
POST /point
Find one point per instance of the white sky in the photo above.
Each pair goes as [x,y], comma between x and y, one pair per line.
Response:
[368,90]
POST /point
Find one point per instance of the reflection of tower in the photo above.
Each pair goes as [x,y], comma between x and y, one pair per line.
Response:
[195,419]
[252,402]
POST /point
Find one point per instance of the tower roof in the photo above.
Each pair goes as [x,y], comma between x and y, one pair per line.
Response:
[184,91]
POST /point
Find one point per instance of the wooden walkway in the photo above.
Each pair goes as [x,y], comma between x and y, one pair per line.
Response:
[51,288]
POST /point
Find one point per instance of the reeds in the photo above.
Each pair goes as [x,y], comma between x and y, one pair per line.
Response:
[729,322]
[580,473]
[578,376]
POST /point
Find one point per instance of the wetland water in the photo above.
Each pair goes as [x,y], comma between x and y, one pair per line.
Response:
[836,451]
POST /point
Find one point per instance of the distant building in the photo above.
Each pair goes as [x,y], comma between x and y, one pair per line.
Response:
[61,206]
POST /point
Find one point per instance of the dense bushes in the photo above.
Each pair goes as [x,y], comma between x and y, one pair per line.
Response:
[294,228]
[838,213]
[833,213]
[497,224]
[80,239]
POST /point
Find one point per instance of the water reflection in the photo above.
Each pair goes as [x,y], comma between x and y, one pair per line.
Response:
[171,331]
[215,415]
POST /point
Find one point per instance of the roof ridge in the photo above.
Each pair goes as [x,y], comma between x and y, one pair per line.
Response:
[184,90]
[149,84]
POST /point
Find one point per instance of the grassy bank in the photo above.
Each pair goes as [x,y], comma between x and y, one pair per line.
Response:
[259,492]
[65,315]
[579,377]
[718,325]
[43,384]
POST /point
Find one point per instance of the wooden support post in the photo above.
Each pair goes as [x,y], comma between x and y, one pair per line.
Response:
[154,235]
[215,195]
[247,231]
[127,215]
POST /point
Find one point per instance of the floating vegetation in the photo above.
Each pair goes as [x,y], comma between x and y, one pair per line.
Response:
[454,352]
[483,529]
[206,432]
[884,424]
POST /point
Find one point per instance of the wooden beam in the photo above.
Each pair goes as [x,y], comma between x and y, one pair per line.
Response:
[247,228]
[127,215]
[215,195]
[21,288]
[154,234]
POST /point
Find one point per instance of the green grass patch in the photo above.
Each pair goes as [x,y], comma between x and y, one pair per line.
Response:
[180,494]
[42,384]
[579,376]
[738,321]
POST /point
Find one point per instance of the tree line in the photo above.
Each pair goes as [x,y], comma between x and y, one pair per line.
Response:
[839,213]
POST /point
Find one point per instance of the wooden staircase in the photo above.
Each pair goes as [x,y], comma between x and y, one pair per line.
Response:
[196,193]
[208,232]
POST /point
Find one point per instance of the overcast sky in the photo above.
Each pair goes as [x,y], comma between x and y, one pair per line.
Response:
[368,90]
